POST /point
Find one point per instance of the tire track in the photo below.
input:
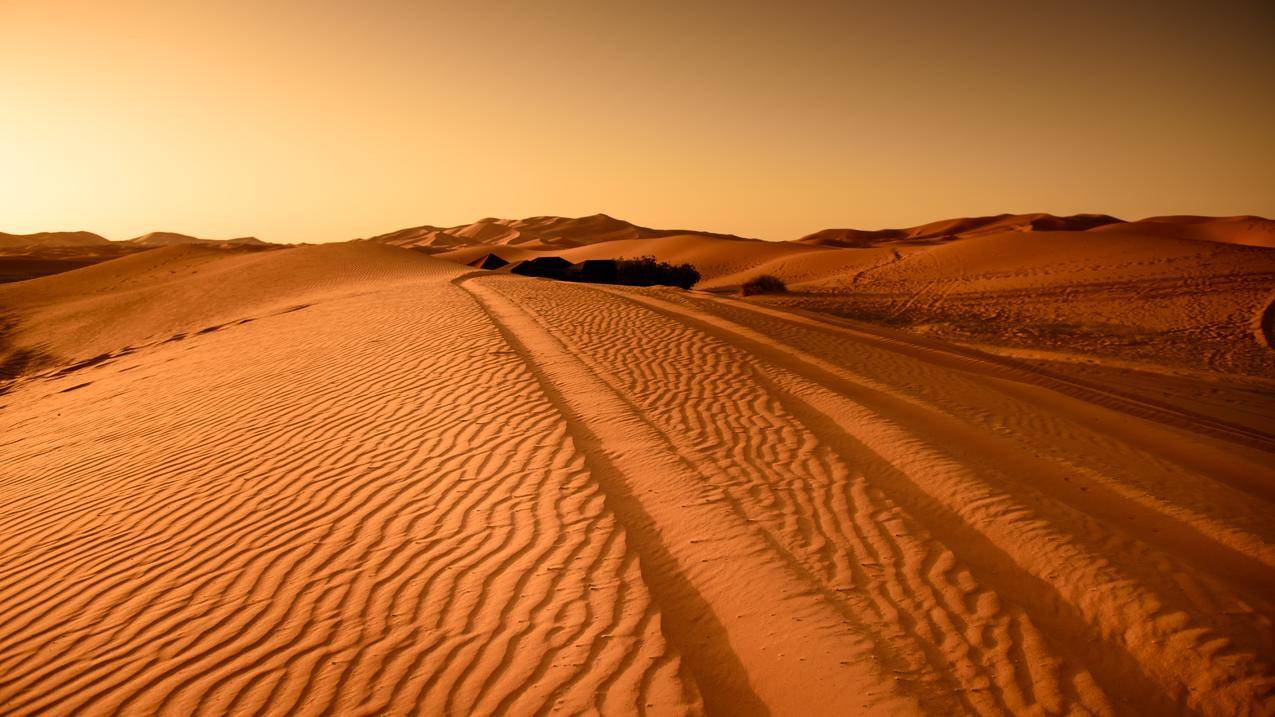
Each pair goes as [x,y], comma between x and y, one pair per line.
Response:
[812,665]
[1208,606]
[1037,599]
[888,589]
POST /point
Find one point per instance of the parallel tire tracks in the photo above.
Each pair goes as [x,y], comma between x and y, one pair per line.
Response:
[996,595]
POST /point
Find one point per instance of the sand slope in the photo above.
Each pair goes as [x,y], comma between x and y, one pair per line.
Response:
[358,480]
[999,282]
[26,256]
[1103,293]
[356,502]
[175,239]
[11,242]
[29,256]
[952,229]
[170,292]
[1186,292]
[1252,231]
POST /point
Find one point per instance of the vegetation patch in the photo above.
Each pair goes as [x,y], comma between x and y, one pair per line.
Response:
[764,284]
[643,271]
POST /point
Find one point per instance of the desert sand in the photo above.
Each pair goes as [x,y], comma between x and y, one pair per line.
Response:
[1017,465]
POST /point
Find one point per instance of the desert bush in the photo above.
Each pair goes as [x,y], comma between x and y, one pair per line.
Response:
[643,271]
[764,284]
[548,267]
[646,271]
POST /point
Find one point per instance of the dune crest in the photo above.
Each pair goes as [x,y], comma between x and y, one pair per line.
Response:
[29,256]
[10,242]
[175,239]
[952,229]
[545,232]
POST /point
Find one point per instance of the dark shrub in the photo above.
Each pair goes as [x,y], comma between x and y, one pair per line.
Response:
[549,267]
[600,271]
[646,271]
[764,284]
[643,271]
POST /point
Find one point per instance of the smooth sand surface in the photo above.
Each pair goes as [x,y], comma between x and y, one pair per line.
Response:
[356,479]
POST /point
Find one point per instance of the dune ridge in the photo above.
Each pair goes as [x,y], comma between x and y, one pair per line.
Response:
[545,232]
[11,242]
[952,229]
[175,239]
[30,256]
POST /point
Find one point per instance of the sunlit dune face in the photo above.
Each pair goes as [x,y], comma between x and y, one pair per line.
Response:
[324,121]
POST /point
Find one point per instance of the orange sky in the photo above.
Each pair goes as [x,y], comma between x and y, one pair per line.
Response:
[323,121]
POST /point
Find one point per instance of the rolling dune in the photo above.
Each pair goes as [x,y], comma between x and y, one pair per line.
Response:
[528,234]
[357,479]
[1186,294]
[361,505]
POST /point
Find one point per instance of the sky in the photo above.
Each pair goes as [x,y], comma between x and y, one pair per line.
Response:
[324,121]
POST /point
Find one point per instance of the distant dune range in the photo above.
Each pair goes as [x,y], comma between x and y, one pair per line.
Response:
[1009,465]
[27,256]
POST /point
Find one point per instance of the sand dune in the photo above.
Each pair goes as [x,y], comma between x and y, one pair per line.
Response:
[1185,292]
[1252,231]
[175,239]
[174,291]
[530,233]
[65,240]
[355,479]
[1104,293]
[10,242]
[724,263]
[360,504]
[29,256]
[951,229]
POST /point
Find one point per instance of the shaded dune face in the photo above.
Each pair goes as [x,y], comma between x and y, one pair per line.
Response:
[355,479]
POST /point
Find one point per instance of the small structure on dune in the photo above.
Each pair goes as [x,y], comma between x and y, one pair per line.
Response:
[488,261]
[763,284]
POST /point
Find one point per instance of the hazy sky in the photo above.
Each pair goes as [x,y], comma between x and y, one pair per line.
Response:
[322,121]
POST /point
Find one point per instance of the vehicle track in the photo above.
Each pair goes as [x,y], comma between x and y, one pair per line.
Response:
[752,403]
